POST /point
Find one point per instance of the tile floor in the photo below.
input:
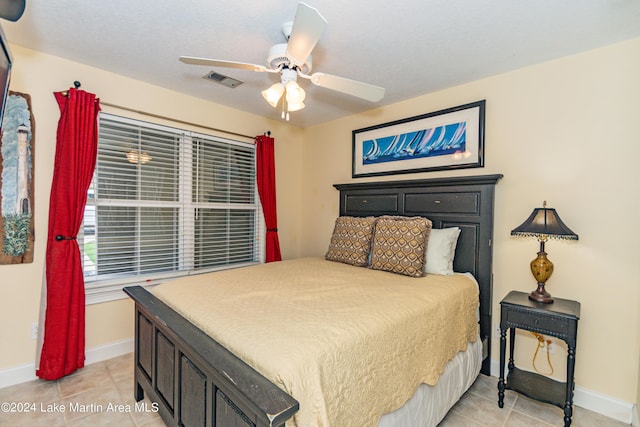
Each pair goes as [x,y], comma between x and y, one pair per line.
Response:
[479,408]
[101,394]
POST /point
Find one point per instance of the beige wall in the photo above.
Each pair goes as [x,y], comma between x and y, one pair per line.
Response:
[565,131]
[39,75]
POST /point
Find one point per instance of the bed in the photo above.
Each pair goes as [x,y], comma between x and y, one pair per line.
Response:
[197,381]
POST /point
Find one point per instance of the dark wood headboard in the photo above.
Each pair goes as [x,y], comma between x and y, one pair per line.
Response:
[465,202]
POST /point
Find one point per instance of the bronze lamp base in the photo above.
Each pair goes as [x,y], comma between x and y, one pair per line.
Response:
[542,268]
[540,295]
[543,223]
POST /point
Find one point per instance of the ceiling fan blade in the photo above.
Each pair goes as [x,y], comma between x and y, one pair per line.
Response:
[220,63]
[351,87]
[308,26]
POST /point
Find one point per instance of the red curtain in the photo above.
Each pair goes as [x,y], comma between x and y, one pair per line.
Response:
[75,160]
[266,171]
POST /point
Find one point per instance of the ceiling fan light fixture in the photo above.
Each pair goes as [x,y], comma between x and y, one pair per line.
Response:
[292,59]
[273,94]
[295,106]
[295,94]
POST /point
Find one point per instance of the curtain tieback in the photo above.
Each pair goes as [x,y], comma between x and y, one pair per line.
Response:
[60,238]
[273,230]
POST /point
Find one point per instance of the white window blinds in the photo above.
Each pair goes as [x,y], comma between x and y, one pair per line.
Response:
[166,202]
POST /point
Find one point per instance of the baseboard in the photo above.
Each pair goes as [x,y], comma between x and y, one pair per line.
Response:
[636,417]
[597,402]
[24,373]
[603,404]
[108,351]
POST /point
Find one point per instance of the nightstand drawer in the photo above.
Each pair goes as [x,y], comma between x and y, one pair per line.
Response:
[532,320]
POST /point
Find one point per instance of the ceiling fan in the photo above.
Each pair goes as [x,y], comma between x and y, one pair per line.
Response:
[293,59]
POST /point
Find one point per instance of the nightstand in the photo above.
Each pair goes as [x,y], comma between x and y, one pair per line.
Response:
[558,319]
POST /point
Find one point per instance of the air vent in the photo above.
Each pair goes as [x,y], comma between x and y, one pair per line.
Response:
[222,79]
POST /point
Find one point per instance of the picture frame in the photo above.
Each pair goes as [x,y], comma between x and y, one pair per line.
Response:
[452,138]
[17,190]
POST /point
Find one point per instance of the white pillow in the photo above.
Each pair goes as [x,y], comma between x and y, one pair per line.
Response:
[441,249]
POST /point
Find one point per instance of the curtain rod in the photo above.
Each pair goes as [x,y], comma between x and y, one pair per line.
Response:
[157,116]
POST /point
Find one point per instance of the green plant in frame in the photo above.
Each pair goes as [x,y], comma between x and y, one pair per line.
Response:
[16,234]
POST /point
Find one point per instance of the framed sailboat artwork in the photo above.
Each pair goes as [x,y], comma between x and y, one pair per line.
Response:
[447,139]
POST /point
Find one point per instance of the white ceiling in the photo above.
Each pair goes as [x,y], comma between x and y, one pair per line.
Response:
[410,47]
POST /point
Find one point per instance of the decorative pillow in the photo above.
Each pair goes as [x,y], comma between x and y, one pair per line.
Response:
[399,245]
[441,250]
[351,240]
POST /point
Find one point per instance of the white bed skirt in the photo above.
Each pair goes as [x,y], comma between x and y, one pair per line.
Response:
[430,404]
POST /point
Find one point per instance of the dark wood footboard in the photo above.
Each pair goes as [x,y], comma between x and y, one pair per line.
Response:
[196,381]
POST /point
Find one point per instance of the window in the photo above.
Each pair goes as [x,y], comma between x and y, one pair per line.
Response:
[165,203]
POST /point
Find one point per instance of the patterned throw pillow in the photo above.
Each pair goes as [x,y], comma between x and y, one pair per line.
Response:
[351,240]
[399,245]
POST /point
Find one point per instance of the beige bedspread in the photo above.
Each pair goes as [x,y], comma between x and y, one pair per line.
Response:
[349,343]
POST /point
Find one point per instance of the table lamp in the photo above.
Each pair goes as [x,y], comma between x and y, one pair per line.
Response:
[543,223]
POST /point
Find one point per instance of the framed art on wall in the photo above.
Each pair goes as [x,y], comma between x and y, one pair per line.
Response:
[447,139]
[17,150]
